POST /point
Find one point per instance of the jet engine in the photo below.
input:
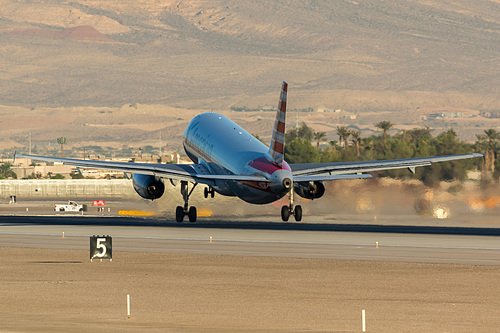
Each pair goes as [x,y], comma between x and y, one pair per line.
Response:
[310,190]
[148,187]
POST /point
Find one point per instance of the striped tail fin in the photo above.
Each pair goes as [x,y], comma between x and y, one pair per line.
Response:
[277,148]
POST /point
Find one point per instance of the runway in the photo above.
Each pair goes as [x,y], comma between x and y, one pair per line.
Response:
[479,246]
[254,276]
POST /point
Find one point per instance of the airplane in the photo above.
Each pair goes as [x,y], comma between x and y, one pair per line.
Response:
[232,162]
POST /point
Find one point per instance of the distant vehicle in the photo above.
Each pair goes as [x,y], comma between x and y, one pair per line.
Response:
[232,162]
[72,206]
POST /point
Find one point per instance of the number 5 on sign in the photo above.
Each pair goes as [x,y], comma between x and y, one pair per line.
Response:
[100,247]
[101,244]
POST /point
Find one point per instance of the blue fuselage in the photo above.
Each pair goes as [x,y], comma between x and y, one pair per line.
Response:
[223,147]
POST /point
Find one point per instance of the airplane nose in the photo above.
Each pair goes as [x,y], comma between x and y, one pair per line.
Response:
[287,183]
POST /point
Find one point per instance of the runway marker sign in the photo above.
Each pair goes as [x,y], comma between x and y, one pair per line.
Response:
[101,247]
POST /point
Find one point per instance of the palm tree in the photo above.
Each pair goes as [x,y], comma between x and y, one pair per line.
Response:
[420,135]
[481,138]
[385,126]
[319,136]
[346,139]
[62,141]
[356,139]
[343,133]
[481,143]
[492,135]
[340,132]
[333,143]
[368,143]
[489,156]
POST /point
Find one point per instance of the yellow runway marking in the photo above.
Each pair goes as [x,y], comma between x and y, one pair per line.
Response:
[205,212]
[136,213]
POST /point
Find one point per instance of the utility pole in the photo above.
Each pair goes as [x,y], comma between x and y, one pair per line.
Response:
[161,150]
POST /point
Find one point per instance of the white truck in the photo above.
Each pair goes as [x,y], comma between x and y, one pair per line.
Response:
[72,206]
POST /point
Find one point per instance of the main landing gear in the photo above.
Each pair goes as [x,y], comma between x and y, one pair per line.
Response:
[291,209]
[180,212]
[296,211]
[191,212]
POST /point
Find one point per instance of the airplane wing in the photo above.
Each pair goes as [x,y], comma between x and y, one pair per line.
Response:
[346,168]
[189,172]
[313,178]
[302,172]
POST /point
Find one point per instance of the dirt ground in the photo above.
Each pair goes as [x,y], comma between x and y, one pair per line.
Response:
[60,290]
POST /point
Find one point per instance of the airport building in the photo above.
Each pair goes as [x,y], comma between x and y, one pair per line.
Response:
[54,188]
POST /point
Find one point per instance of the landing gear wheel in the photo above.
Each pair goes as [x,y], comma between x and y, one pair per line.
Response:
[209,191]
[192,214]
[61,209]
[298,213]
[180,211]
[179,214]
[285,213]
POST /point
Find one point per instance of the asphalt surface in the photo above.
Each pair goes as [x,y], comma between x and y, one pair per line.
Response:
[403,243]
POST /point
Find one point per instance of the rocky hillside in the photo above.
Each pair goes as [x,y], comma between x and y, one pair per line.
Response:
[213,54]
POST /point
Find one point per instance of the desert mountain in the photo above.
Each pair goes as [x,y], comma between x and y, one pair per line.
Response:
[213,54]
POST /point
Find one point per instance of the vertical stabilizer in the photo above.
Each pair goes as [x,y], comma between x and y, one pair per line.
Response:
[277,148]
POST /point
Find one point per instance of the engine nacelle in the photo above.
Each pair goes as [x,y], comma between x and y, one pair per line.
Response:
[148,187]
[310,190]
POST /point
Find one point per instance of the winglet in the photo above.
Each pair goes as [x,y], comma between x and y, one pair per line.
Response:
[277,147]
